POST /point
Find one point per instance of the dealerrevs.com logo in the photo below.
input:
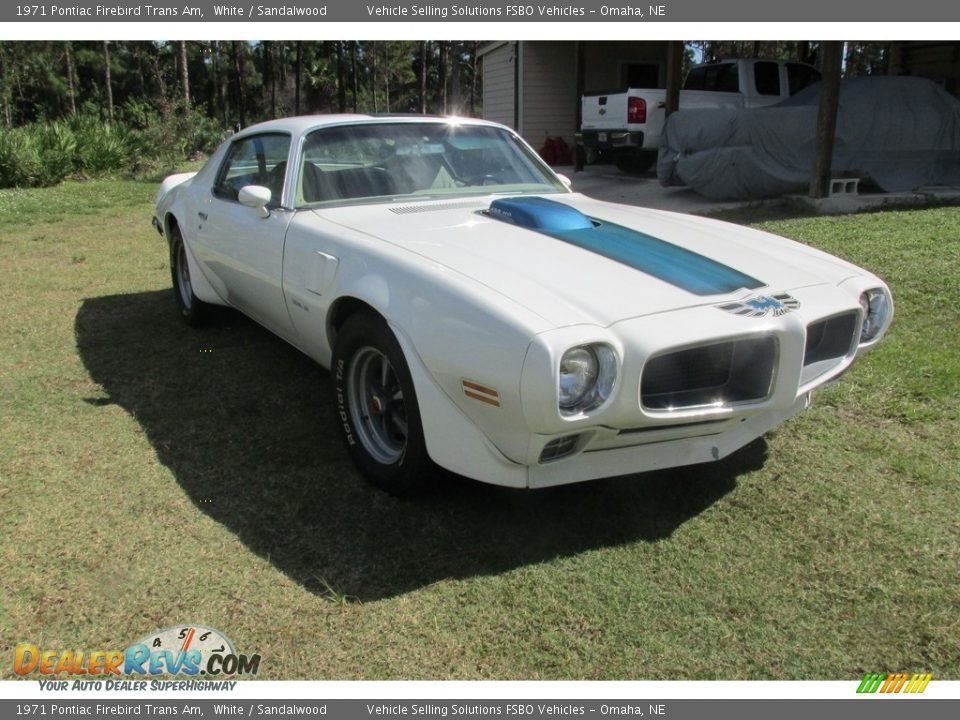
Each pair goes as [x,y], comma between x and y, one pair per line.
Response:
[190,650]
[910,683]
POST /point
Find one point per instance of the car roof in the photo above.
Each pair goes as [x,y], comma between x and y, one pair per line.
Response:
[300,125]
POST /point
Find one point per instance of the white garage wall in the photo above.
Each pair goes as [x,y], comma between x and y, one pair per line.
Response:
[549,91]
[498,72]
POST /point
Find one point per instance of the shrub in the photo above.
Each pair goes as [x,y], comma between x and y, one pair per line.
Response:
[141,143]
[19,159]
[102,147]
[57,144]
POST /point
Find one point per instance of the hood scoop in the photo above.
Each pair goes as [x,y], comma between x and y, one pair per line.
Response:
[537,213]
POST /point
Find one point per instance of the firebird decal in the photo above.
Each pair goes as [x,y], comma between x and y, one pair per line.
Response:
[762,305]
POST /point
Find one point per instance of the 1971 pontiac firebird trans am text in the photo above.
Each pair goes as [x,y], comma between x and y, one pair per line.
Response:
[477,314]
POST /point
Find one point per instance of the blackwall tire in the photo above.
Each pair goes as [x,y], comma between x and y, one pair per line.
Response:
[634,162]
[192,309]
[376,407]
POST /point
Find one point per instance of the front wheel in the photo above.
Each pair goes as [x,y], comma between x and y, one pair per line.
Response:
[377,409]
[192,309]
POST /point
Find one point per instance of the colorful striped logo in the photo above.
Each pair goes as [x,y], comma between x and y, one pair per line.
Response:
[894,682]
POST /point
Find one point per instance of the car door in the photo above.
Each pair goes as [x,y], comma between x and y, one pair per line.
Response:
[242,248]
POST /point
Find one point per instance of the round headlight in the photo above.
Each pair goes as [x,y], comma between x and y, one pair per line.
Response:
[578,375]
[875,304]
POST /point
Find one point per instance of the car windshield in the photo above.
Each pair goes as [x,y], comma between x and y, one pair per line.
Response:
[398,160]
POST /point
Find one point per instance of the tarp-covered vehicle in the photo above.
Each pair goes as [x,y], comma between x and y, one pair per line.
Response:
[898,133]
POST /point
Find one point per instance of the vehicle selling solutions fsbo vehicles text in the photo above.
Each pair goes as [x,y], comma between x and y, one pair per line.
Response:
[443,11]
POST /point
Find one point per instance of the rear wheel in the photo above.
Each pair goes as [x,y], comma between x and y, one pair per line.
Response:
[192,309]
[634,161]
[377,409]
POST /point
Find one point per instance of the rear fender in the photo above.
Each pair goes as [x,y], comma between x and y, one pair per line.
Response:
[201,286]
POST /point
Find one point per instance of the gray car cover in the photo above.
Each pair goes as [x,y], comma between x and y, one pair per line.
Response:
[901,133]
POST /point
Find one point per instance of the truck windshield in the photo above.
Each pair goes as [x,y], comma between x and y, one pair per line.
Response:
[718,77]
[397,160]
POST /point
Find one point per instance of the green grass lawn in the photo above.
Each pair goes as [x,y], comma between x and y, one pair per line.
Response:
[153,475]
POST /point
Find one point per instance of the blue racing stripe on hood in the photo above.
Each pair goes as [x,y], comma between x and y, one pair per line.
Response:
[665,261]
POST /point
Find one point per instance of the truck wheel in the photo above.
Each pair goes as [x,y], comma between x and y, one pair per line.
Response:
[634,162]
[376,406]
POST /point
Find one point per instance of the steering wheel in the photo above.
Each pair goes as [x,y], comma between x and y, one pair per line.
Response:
[484,179]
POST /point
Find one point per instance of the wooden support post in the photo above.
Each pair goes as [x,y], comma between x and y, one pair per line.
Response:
[579,159]
[674,70]
[830,52]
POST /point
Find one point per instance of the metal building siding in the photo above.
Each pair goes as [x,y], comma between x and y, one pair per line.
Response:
[549,91]
[498,72]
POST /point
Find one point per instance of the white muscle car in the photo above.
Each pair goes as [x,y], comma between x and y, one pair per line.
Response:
[477,314]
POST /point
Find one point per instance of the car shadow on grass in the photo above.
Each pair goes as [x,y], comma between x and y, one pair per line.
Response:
[245,424]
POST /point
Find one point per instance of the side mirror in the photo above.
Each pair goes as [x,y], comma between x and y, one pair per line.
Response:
[257,197]
[565,180]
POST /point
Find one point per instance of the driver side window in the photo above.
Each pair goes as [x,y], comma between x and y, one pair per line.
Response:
[256,160]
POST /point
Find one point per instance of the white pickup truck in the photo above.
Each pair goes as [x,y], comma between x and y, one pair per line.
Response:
[627,125]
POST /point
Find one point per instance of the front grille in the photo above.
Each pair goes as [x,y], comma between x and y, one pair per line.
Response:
[710,376]
[828,342]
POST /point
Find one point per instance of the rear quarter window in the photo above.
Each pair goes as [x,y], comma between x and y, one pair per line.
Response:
[718,77]
[766,78]
[800,76]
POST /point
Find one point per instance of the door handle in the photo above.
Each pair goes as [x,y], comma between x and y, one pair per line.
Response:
[203,215]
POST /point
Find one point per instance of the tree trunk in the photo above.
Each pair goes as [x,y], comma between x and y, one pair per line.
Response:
[272,72]
[158,76]
[388,68]
[221,83]
[423,77]
[184,75]
[373,76]
[5,89]
[442,75]
[456,74]
[474,46]
[298,79]
[237,50]
[141,81]
[341,78]
[70,84]
[831,53]
[106,79]
[353,71]
[674,69]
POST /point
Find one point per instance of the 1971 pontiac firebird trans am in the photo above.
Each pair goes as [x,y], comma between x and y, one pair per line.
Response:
[477,314]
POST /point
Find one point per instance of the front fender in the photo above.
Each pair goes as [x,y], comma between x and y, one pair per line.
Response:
[454,441]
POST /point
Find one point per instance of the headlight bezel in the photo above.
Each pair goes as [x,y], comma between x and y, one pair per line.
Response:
[598,389]
[875,308]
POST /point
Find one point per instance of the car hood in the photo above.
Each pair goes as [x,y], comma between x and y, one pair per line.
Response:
[568,283]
